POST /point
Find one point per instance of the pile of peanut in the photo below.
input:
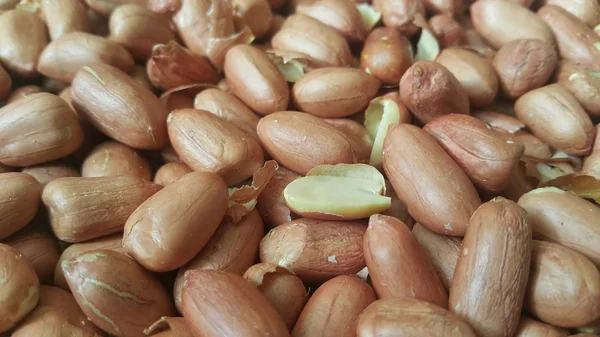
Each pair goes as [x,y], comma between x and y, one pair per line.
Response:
[303,168]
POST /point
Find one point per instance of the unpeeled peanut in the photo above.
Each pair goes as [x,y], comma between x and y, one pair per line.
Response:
[442,251]
[19,201]
[532,328]
[401,14]
[40,248]
[387,55]
[22,40]
[583,83]
[114,159]
[170,172]
[587,11]
[341,15]
[45,173]
[447,30]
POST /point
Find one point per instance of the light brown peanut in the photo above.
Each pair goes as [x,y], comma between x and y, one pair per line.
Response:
[341,15]
[386,55]
[40,248]
[111,159]
[170,172]
[401,14]
[19,201]
[22,40]
[45,173]
[583,83]
[441,250]
[64,16]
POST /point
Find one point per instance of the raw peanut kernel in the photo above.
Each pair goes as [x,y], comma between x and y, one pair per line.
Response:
[380,114]
[343,191]
[386,55]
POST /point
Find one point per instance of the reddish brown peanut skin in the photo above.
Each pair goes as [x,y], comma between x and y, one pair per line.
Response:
[439,195]
[5,83]
[556,117]
[120,107]
[40,248]
[233,248]
[531,328]
[284,290]
[20,290]
[271,204]
[534,147]
[398,266]
[409,317]
[524,65]
[217,304]
[587,11]
[78,206]
[429,90]
[84,49]
[488,157]
[111,159]
[591,165]
[583,83]
[19,201]
[229,108]
[45,173]
[400,14]
[22,41]
[198,137]
[301,33]
[500,121]
[576,41]
[256,14]
[170,172]
[358,135]
[441,250]
[551,209]
[500,21]
[474,72]
[37,129]
[386,55]
[115,293]
[64,16]
[341,15]
[305,246]
[447,30]
[158,232]
[22,92]
[564,286]
[256,80]
[333,309]
[491,274]
[139,29]
[112,242]
[300,141]
[353,90]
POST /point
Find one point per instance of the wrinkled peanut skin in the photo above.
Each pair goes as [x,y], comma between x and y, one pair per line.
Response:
[531,328]
[524,65]
[40,248]
[409,317]
[583,83]
[116,293]
[398,266]
[386,55]
[430,90]
[439,195]
[23,38]
[492,270]
[19,201]
[555,116]
[217,303]
[564,286]
[111,159]
[441,250]
[333,309]
[158,232]
[64,16]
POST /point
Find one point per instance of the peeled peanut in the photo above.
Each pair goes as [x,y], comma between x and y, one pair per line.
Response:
[339,14]
[84,49]
[115,293]
[271,202]
[64,16]
[439,195]
[400,14]
[488,157]
[256,14]
[157,233]
[138,30]
[429,89]
[551,209]
[115,159]
[532,328]
[112,242]
[398,266]
[500,22]
[315,250]
[386,55]
[45,173]
[555,116]
[22,40]
[587,11]
[284,290]
[493,268]
[301,33]
[120,107]
[170,172]
[20,289]
[447,30]
[255,79]
[38,129]
[19,201]
[217,303]
[300,141]
[5,83]
[576,41]
[474,72]
[198,137]
[81,209]
[334,307]
[40,248]
[229,108]
[441,250]
[583,83]
[564,286]
[409,317]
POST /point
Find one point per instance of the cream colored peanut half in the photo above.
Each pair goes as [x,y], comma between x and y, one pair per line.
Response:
[428,47]
[380,114]
[369,15]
